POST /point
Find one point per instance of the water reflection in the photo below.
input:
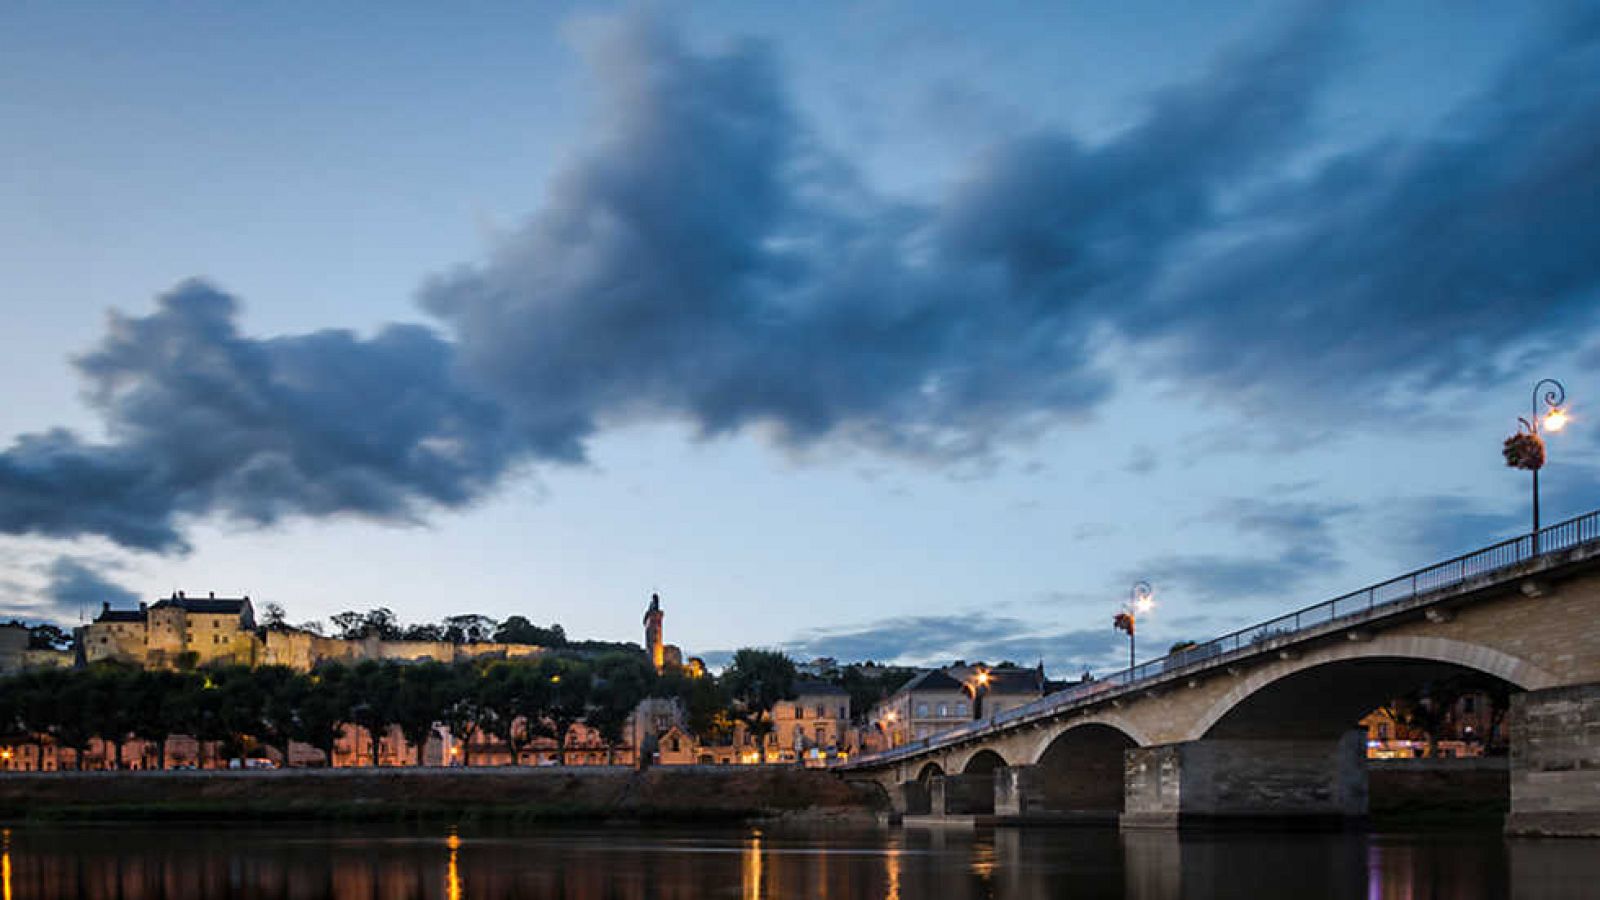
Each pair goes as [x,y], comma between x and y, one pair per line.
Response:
[139,863]
[752,867]
[452,878]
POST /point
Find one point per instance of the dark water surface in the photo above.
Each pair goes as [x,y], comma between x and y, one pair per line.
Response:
[133,862]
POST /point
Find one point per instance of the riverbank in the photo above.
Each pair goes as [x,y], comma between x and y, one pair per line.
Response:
[593,794]
[1442,793]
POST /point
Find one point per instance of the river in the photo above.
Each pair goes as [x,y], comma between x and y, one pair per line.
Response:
[147,862]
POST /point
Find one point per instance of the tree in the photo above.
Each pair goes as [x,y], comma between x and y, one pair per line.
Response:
[113,706]
[48,637]
[162,705]
[278,692]
[758,679]
[621,681]
[867,690]
[380,623]
[320,704]
[568,684]
[518,630]
[464,710]
[273,615]
[419,703]
[510,703]
[468,629]
[424,633]
[373,686]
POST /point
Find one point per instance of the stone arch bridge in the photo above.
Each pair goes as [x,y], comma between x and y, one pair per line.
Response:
[1262,722]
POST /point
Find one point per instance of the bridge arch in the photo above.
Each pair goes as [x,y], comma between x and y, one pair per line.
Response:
[984,762]
[930,771]
[1383,667]
[1081,768]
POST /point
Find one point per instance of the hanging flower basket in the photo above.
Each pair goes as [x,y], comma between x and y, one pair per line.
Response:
[1525,451]
[1123,622]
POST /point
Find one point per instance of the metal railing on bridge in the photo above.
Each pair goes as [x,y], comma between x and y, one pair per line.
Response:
[1556,538]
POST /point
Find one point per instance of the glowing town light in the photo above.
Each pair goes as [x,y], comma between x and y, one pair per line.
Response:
[1556,419]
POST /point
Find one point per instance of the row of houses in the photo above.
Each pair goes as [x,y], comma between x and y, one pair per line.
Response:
[816,726]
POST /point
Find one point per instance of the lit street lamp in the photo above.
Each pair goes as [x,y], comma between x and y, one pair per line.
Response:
[978,687]
[1525,449]
[1140,601]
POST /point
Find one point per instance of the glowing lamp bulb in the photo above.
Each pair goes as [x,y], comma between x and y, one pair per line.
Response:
[1144,604]
[1555,419]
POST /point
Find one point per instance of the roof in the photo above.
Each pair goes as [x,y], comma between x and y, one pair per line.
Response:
[931,680]
[120,615]
[810,688]
[1001,681]
[214,605]
[1016,681]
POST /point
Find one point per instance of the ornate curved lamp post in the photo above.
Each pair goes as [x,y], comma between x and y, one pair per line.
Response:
[1525,449]
[1141,599]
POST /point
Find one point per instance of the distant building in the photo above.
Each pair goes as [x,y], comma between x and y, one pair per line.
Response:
[178,631]
[662,654]
[941,699]
[18,654]
[814,725]
[185,632]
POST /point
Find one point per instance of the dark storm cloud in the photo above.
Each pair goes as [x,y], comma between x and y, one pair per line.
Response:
[78,585]
[1425,259]
[203,420]
[704,261]
[941,639]
[74,589]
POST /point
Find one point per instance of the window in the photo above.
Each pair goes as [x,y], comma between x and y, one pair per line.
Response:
[961,708]
[799,712]
[922,712]
[944,710]
[822,711]
[1469,705]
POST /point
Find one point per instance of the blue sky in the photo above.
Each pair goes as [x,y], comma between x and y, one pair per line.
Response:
[906,330]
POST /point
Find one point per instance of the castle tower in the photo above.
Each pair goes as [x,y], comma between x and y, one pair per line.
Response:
[653,639]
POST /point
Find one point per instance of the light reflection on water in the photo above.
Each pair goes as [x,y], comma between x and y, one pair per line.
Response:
[336,863]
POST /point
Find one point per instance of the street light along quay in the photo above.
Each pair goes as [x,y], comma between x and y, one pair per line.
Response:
[1525,449]
[1141,599]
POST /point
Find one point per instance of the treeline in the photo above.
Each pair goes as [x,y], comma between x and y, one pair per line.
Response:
[467,628]
[514,701]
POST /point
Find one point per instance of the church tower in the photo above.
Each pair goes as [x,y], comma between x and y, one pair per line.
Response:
[653,638]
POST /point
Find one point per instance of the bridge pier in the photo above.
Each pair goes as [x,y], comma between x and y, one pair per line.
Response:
[910,798]
[1220,781]
[1019,792]
[962,795]
[1555,762]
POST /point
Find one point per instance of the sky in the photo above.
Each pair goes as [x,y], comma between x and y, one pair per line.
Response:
[889,330]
